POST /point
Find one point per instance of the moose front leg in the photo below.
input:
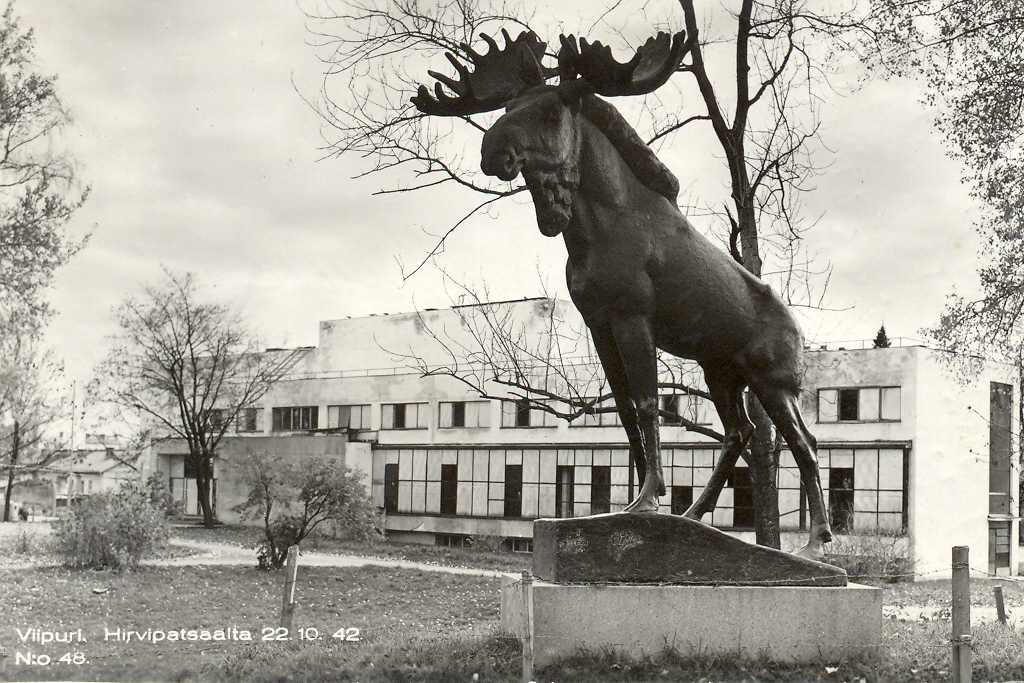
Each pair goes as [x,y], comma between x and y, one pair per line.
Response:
[634,340]
[618,382]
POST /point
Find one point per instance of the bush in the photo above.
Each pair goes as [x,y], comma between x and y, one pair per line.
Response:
[296,494]
[490,544]
[111,529]
[160,497]
[885,557]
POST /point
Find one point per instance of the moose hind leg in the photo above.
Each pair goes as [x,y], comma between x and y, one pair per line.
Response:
[781,406]
[727,394]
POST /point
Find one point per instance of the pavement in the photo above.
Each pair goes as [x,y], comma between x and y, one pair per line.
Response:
[224,554]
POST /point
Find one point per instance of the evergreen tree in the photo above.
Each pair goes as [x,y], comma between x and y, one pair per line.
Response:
[882,339]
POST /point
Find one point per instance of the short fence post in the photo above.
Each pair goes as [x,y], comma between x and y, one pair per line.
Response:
[961,615]
[1000,607]
[291,569]
[528,631]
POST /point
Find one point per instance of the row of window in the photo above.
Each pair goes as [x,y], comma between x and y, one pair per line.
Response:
[865,488]
[865,404]
[467,414]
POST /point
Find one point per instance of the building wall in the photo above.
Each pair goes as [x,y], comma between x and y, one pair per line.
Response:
[922,469]
[231,490]
[950,477]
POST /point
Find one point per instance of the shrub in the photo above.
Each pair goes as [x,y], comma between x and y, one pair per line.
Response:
[111,529]
[296,494]
[160,497]
[490,544]
[882,556]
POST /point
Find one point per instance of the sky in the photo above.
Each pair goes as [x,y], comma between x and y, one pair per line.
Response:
[191,129]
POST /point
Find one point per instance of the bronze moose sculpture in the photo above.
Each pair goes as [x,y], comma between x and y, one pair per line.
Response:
[641,276]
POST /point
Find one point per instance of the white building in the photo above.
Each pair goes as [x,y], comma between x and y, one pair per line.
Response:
[903,447]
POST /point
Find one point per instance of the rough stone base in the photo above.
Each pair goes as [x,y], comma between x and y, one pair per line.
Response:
[630,547]
[783,623]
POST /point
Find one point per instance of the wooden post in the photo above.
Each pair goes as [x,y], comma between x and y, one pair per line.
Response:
[291,569]
[961,615]
[1000,607]
[528,631]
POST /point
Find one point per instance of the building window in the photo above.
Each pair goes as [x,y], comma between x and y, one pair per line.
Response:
[524,413]
[999,547]
[867,404]
[391,487]
[404,416]
[681,407]
[449,489]
[216,419]
[669,409]
[519,545]
[295,418]
[351,416]
[682,499]
[467,414]
[565,483]
[513,491]
[453,540]
[249,419]
[600,489]
[742,498]
[607,417]
[1000,450]
[840,499]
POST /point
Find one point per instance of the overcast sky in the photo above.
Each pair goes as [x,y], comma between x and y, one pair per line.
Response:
[202,157]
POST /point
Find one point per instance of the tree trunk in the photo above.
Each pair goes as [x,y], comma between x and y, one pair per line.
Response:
[15,446]
[204,489]
[764,464]
[764,470]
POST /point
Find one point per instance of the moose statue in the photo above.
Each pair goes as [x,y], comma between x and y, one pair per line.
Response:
[640,274]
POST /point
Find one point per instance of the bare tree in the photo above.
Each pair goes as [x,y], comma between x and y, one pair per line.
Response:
[29,403]
[186,368]
[762,114]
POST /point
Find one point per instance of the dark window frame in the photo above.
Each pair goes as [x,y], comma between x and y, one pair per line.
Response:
[600,491]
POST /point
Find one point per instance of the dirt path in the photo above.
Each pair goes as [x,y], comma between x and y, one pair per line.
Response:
[224,554]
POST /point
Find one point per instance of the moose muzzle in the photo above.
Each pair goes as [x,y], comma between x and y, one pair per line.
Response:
[498,156]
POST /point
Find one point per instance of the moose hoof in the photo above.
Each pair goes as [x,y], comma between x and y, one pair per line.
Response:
[641,505]
[812,551]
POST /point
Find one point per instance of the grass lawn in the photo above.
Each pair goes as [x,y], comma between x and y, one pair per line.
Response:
[388,610]
[413,626]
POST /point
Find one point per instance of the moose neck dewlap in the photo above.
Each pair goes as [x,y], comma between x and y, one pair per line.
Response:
[552,191]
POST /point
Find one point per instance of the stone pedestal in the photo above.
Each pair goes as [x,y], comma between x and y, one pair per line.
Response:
[638,582]
[646,548]
[784,623]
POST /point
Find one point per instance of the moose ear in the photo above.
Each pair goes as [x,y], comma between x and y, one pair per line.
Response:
[531,72]
[572,91]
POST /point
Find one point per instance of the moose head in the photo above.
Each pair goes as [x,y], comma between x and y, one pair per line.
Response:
[539,135]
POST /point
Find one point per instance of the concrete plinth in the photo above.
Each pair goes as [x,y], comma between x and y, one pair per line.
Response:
[644,547]
[783,623]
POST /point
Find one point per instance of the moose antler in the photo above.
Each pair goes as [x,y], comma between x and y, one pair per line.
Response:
[498,76]
[649,69]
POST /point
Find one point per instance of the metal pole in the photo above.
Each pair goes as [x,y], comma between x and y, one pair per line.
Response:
[1000,607]
[528,631]
[961,615]
[291,569]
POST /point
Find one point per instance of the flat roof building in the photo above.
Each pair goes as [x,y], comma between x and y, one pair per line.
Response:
[904,448]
